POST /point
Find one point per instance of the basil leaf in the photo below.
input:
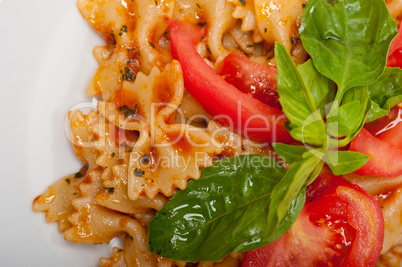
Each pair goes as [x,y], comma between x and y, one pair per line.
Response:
[229,203]
[385,93]
[293,212]
[298,102]
[315,173]
[320,87]
[348,119]
[288,188]
[289,153]
[348,40]
[343,162]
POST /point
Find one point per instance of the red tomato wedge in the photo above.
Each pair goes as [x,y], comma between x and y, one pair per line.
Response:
[251,78]
[385,152]
[231,107]
[395,51]
[340,225]
[380,124]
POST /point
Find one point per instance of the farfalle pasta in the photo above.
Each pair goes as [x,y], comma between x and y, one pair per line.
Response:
[148,136]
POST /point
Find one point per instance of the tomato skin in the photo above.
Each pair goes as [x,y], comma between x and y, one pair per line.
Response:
[381,140]
[365,250]
[379,124]
[251,78]
[384,150]
[395,51]
[231,107]
[340,225]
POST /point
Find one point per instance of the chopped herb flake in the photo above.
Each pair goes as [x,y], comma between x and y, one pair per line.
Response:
[68,180]
[198,5]
[112,154]
[201,24]
[243,2]
[123,108]
[151,44]
[138,172]
[145,159]
[128,75]
[130,112]
[110,190]
[78,175]
[250,45]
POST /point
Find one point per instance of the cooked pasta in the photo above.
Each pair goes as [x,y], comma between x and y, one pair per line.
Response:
[148,136]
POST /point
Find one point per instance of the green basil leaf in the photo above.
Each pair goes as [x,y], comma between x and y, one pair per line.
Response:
[315,173]
[288,188]
[320,87]
[301,106]
[377,112]
[346,113]
[348,40]
[349,118]
[385,93]
[289,153]
[292,213]
[360,94]
[343,162]
[229,203]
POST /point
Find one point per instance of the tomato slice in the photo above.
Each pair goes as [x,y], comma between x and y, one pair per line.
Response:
[380,124]
[231,107]
[251,78]
[383,145]
[340,225]
[385,156]
[395,51]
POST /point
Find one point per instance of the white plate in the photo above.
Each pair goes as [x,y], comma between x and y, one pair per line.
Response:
[46,63]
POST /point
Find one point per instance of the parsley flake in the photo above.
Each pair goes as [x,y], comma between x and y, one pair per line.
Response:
[145,159]
[110,190]
[128,75]
[138,172]
[78,175]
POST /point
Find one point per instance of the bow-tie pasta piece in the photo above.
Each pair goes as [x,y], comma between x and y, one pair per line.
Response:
[285,13]
[56,200]
[245,12]
[92,223]
[82,136]
[134,49]
[115,197]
